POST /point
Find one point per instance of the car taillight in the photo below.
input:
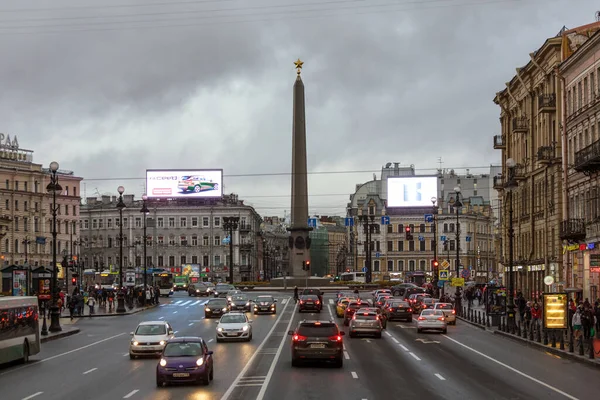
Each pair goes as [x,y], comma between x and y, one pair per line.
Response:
[453,311]
[441,318]
[336,338]
[354,317]
[422,318]
[377,317]
[317,302]
[301,301]
[391,309]
[424,305]
[410,310]
[299,338]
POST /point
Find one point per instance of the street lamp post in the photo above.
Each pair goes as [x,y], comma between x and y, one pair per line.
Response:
[434,230]
[457,205]
[145,211]
[368,222]
[511,185]
[120,294]
[230,224]
[54,188]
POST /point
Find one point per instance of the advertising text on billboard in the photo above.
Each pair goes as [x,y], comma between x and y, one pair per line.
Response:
[184,183]
[414,191]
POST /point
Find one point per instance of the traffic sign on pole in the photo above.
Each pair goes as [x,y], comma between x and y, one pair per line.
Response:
[349,221]
[364,269]
[428,217]
[385,220]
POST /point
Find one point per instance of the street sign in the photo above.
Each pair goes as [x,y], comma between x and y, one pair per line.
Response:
[364,269]
[445,264]
[385,220]
[468,238]
[443,275]
[226,240]
[349,221]
[428,217]
[312,222]
[377,255]
[458,282]
[441,284]
[130,278]
[421,238]
[465,273]
[442,238]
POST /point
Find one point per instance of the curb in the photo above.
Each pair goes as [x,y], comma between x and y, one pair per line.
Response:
[483,327]
[554,350]
[61,335]
[115,314]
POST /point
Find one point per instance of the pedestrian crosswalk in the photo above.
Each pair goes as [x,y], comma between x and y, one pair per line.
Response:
[185,303]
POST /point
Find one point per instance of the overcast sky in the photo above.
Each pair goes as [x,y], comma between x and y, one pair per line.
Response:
[110,88]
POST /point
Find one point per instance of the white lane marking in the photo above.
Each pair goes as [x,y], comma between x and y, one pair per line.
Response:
[32,396]
[125,355]
[440,377]
[161,317]
[162,305]
[256,352]
[177,302]
[395,340]
[195,303]
[346,355]
[210,340]
[63,354]
[331,301]
[284,301]
[387,333]
[414,356]
[354,375]
[175,333]
[191,324]
[186,303]
[344,346]
[89,370]
[128,395]
[174,312]
[404,347]
[513,369]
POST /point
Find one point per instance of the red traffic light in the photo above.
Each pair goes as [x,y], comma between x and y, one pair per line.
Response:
[407,229]
[73,280]
[435,263]
[308,263]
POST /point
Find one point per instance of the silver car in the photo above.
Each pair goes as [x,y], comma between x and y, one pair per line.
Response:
[449,312]
[432,320]
[365,322]
[149,338]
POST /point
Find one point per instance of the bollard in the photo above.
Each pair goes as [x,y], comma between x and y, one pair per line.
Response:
[531,332]
[501,324]
[545,337]
[524,331]
[519,333]
[571,344]
[553,344]
[562,340]
[478,319]
[539,335]
[591,348]
[488,322]
[580,345]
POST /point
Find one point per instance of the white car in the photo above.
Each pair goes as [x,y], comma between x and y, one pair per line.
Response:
[449,312]
[431,319]
[150,338]
[234,326]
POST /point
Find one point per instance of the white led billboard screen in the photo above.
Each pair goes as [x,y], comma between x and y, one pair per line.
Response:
[190,183]
[414,191]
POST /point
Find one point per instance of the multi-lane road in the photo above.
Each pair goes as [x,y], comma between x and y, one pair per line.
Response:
[466,363]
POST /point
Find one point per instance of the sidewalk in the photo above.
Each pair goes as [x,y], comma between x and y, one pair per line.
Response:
[68,329]
[480,321]
[104,312]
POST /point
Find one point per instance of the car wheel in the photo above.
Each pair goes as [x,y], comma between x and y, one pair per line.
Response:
[352,334]
[218,340]
[445,331]
[197,189]
[319,311]
[339,363]
[409,320]
[132,357]
[378,335]
[211,376]
[419,330]
[250,338]
[159,383]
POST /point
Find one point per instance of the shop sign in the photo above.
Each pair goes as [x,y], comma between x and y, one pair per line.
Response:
[555,311]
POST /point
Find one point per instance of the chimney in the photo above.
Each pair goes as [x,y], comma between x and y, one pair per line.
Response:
[105,199]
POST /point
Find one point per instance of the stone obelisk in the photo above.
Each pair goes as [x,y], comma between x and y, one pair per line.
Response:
[299,241]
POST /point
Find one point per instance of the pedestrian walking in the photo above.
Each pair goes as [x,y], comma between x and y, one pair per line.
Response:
[91,304]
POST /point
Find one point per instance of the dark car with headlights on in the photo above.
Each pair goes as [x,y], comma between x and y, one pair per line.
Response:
[399,309]
[240,302]
[351,309]
[221,289]
[185,360]
[265,304]
[215,308]
[199,289]
[317,340]
[310,302]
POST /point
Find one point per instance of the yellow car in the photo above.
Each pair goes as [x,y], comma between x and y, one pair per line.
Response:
[341,306]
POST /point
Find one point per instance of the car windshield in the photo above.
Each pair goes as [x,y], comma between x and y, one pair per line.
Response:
[233,319]
[367,315]
[183,350]
[217,302]
[355,305]
[442,306]
[317,330]
[432,312]
[264,298]
[148,330]
[223,288]
[239,298]
[400,304]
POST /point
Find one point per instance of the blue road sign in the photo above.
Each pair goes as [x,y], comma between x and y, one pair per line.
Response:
[349,221]
[364,269]
[428,217]
[226,240]
[421,238]
[443,238]
[385,220]
[468,238]
[312,222]
[377,255]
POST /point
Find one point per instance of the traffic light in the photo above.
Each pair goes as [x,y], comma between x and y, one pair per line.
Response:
[435,264]
[306,265]
[408,232]
[74,281]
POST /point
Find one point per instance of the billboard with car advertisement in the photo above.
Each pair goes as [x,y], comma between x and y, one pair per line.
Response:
[187,183]
[413,191]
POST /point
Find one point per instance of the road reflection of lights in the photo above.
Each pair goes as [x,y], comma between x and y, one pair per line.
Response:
[201,395]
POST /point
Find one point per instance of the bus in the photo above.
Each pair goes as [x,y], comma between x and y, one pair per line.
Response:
[19,328]
[107,280]
[164,281]
[181,282]
[353,277]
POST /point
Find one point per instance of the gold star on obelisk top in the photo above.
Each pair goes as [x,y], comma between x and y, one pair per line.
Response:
[298,65]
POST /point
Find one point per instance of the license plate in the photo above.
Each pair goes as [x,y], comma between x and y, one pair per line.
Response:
[264,308]
[231,334]
[181,375]
[317,346]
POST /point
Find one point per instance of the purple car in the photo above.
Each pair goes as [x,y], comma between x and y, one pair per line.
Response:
[185,360]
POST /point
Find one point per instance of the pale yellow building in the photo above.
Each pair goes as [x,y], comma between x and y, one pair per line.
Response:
[26,235]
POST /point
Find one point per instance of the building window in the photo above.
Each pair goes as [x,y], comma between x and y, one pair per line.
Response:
[109,242]
[217,221]
[67,227]
[16,222]
[400,245]
[66,209]
[217,241]
[390,245]
[25,205]
[421,245]
[16,205]
[7,186]
[411,245]
[101,223]
[161,261]
[171,261]
[194,259]
[194,223]
[452,245]
[25,223]
[390,265]
[86,224]
[16,185]
[183,222]
[160,222]
[376,266]
[390,228]
[205,241]
[74,210]
[183,240]
[205,261]
[422,228]
[400,228]
[7,205]
[205,222]
[138,222]
[422,265]
[171,240]
[36,224]
[171,222]
[400,265]
[411,265]
[66,190]
[194,242]
[109,223]
[217,260]
[183,259]
[161,240]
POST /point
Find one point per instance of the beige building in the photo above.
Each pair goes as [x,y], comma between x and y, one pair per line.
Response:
[531,132]
[27,209]
[581,152]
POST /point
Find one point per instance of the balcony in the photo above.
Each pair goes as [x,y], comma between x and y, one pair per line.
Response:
[499,182]
[499,142]
[547,103]
[588,158]
[520,125]
[546,154]
[572,229]
[245,228]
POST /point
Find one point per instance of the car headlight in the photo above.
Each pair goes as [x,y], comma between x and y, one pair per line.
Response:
[224,308]
[197,290]
[245,328]
[206,309]
[248,303]
[200,362]
[216,293]
[163,362]
[219,329]
[134,343]
[162,342]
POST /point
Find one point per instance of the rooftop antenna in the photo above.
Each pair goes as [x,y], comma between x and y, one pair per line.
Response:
[440,162]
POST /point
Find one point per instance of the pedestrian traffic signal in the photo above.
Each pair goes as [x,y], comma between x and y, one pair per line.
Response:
[408,232]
